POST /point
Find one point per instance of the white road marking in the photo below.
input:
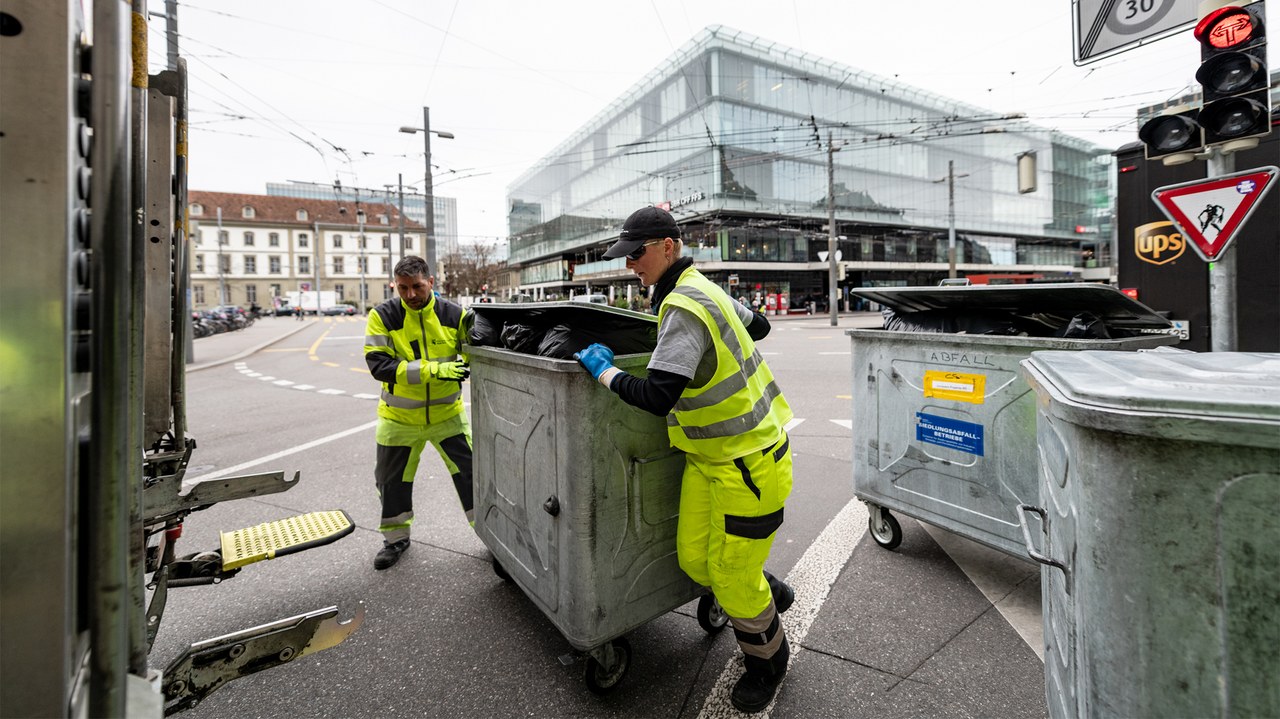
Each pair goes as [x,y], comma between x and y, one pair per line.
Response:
[278,455]
[846,423]
[838,354]
[331,391]
[284,382]
[265,378]
[811,579]
[254,374]
[304,386]
[793,424]
[362,395]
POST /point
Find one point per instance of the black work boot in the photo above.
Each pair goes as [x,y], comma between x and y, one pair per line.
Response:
[783,594]
[390,554]
[756,688]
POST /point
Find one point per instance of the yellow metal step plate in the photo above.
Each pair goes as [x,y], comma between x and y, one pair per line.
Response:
[283,536]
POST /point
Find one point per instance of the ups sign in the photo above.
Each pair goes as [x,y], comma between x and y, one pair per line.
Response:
[1158,242]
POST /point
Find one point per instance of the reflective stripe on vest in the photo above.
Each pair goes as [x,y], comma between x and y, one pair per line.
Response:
[741,409]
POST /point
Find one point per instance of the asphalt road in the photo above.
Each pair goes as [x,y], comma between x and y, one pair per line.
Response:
[939,627]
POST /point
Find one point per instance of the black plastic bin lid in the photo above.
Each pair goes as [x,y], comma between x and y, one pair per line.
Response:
[1060,300]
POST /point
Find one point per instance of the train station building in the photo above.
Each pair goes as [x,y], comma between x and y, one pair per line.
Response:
[753,146]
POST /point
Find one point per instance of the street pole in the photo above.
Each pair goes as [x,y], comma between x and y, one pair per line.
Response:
[222,279]
[1222,275]
[951,219]
[318,248]
[833,299]
[364,290]
[400,182]
[430,197]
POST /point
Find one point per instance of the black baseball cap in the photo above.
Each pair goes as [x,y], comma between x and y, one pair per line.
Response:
[646,223]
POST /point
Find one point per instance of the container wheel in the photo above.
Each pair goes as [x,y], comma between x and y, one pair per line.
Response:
[499,570]
[711,617]
[885,529]
[604,674]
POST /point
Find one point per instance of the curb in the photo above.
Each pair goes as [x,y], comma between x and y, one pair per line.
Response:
[246,353]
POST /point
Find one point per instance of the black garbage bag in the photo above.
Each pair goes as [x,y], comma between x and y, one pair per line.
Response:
[562,340]
[977,322]
[522,338]
[483,331]
[1086,326]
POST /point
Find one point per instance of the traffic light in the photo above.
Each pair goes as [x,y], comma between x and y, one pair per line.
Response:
[1233,73]
[1174,137]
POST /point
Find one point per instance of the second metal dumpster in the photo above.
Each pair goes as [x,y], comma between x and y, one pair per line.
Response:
[1160,519]
[943,424]
[577,495]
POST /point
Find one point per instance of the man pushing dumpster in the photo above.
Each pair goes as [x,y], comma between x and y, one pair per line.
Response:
[726,413]
[412,345]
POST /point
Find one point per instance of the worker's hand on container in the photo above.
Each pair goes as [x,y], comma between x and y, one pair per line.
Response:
[596,358]
[450,370]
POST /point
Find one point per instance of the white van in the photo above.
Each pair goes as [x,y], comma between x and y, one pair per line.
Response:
[593,299]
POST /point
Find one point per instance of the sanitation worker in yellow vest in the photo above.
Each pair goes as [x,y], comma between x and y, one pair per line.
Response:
[413,346]
[726,413]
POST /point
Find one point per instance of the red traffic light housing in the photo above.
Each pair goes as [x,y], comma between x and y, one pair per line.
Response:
[1233,73]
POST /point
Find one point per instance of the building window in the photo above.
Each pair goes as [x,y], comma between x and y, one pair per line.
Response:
[224,237]
[275,290]
[250,265]
[337,242]
[199,264]
[224,263]
[302,214]
[248,239]
[382,220]
[408,243]
[273,239]
[386,242]
[197,208]
[303,240]
[273,264]
[197,294]
[386,269]
[386,292]
[363,264]
[364,243]
[364,293]
[337,266]
[247,212]
[251,293]
[304,265]
[340,292]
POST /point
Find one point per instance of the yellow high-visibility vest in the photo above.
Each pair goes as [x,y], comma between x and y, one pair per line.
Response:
[399,343]
[740,409]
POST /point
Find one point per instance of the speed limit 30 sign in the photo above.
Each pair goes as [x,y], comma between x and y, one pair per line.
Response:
[1103,28]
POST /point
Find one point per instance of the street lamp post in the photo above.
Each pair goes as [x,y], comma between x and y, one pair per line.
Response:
[429,196]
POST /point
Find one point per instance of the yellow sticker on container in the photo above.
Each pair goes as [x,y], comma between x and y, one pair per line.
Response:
[955,385]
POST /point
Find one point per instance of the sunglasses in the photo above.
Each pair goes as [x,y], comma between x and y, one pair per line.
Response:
[639,251]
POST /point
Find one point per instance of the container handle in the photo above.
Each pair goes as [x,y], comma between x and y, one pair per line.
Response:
[1032,552]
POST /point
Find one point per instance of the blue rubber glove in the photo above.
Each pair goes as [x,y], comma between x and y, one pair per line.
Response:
[596,359]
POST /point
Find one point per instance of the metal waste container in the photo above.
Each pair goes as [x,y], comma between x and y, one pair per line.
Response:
[577,494]
[943,424]
[1159,524]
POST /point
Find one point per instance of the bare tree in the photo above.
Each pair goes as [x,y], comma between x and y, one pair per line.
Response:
[469,269]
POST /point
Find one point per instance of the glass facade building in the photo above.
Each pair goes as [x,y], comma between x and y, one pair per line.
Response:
[735,136]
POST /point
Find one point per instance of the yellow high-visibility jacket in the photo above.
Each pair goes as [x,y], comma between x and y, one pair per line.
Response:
[400,344]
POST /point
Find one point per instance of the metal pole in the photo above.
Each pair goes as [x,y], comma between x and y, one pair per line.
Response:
[951,218]
[400,182]
[1222,277]
[317,234]
[391,260]
[222,280]
[429,196]
[364,290]
[832,299]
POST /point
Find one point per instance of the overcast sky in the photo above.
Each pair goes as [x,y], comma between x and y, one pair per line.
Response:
[277,85]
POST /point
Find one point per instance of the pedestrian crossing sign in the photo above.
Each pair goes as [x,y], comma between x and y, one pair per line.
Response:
[1210,212]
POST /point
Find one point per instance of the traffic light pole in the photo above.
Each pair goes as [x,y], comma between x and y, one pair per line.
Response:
[1222,274]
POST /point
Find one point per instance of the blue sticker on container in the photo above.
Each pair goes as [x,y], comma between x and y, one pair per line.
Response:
[947,432]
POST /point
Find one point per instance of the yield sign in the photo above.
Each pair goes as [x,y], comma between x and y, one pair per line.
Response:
[1210,212]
